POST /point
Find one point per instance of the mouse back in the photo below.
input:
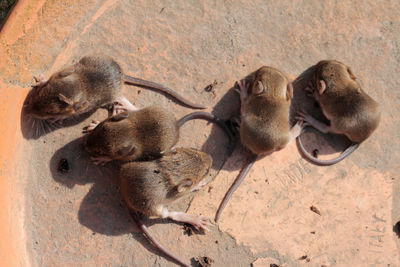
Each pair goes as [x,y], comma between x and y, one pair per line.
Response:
[112,138]
[151,184]
[185,168]
[142,134]
[265,124]
[103,78]
[342,100]
[155,129]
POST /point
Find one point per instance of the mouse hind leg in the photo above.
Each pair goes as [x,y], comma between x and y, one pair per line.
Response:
[122,104]
[197,221]
[296,130]
[308,120]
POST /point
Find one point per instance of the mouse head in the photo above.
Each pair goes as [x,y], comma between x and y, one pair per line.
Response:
[112,139]
[58,98]
[332,72]
[198,166]
[271,82]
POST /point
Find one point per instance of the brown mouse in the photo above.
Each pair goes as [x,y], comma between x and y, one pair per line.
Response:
[93,82]
[139,135]
[344,103]
[149,186]
[264,126]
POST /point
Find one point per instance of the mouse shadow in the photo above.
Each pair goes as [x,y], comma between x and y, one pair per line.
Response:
[314,141]
[228,109]
[33,128]
[102,209]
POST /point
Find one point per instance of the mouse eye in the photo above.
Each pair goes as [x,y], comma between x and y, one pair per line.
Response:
[127,150]
[65,73]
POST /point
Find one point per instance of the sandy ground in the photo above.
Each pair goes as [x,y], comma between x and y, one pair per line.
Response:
[77,219]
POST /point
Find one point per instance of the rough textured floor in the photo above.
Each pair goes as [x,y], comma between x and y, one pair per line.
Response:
[76,218]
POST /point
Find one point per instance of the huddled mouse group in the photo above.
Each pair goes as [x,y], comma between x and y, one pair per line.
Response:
[153,173]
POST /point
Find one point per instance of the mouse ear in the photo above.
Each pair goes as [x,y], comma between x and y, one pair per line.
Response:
[184,185]
[289,91]
[321,86]
[81,105]
[65,73]
[65,99]
[259,88]
[120,116]
[127,150]
[352,76]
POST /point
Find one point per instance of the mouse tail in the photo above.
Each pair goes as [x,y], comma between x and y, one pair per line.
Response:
[239,179]
[136,218]
[328,162]
[214,119]
[155,86]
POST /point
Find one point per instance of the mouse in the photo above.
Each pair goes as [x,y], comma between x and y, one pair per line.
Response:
[264,125]
[349,109]
[93,82]
[148,187]
[140,135]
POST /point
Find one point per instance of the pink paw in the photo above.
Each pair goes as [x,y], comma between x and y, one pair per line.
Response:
[310,89]
[200,222]
[91,126]
[118,108]
[39,81]
[242,90]
[303,119]
[100,160]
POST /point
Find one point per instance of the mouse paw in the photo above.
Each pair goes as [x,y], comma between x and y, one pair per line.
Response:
[304,118]
[197,221]
[117,108]
[121,105]
[310,90]
[308,120]
[242,90]
[297,129]
[90,127]
[199,185]
[100,160]
[39,80]
[201,223]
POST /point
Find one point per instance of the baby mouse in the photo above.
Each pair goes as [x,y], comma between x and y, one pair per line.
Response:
[141,134]
[264,126]
[349,109]
[149,186]
[93,82]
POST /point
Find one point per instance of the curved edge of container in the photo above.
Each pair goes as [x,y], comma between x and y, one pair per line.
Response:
[14,152]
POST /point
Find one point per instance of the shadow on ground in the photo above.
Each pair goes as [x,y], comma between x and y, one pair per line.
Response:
[102,210]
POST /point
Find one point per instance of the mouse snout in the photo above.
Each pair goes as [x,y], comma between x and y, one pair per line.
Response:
[31,113]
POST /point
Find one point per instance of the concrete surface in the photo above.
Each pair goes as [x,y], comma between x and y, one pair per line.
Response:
[76,219]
